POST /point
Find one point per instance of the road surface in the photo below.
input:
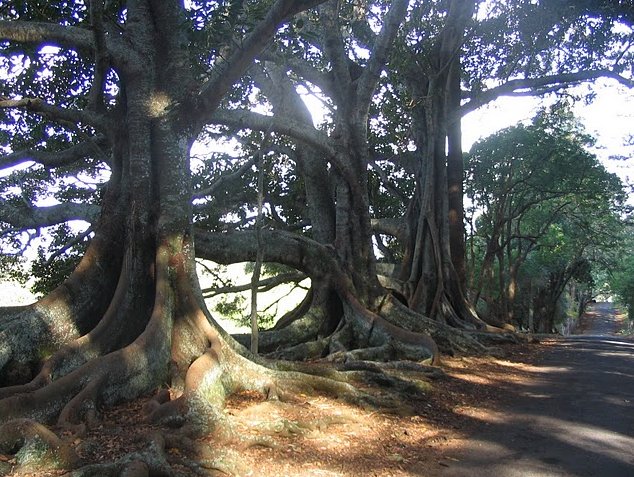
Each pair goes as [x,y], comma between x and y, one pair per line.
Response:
[575,418]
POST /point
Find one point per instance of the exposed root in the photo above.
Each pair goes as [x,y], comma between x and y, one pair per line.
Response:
[31,334]
[431,372]
[309,350]
[298,331]
[129,372]
[150,461]
[81,411]
[35,447]
[449,340]
[227,461]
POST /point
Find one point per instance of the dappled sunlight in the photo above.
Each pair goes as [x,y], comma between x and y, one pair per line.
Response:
[586,437]
[565,413]
[158,103]
[318,436]
[485,416]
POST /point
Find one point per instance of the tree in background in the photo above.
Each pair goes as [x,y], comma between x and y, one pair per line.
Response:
[621,277]
[545,208]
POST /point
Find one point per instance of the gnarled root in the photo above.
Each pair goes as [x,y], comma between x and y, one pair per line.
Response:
[150,461]
[35,447]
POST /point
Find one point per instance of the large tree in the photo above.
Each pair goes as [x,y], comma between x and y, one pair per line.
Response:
[127,87]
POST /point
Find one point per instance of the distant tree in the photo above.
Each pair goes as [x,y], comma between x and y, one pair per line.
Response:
[621,276]
[544,203]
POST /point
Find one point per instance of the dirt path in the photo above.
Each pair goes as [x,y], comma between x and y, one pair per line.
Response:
[570,414]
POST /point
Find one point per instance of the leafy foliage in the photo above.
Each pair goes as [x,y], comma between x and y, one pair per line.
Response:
[547,211]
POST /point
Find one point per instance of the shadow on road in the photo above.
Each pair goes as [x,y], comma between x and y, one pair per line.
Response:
[573,417]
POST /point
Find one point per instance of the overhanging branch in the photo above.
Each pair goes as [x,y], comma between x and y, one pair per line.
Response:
[301,253]
[551,83]
[40,32]
[260,122]
[55,113]
[65,157]
[24,217]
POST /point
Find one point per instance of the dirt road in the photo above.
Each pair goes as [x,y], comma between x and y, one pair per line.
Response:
[573,417]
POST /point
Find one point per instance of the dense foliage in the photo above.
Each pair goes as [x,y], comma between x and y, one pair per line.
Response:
[545,212]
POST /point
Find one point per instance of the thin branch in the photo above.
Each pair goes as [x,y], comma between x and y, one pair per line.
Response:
[264,285]
[224,179]
[388,184]
[68,245]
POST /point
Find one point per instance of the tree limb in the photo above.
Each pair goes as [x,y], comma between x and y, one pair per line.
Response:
[50,159]
[301,253]
[336,52]
[263,285]
[396,227]
[561,81]
[66,36]
[380,52]
[261,122]
[35,217]
[41,32]
[304,70]
[224,179]
[229,71]
[56,113]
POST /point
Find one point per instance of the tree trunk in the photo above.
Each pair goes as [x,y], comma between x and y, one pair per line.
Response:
[435,286]
[455,175]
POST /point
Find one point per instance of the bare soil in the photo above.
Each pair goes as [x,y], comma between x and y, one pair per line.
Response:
[323,436]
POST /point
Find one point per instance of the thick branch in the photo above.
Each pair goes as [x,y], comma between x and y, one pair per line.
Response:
[261,122]
[301,253]
[303,70]
[381,51]
[40,32]
[60,158]
[56,113]
[65,36]
[32,218]
[335,51]
[554,81]
[396,227]
[229,71]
